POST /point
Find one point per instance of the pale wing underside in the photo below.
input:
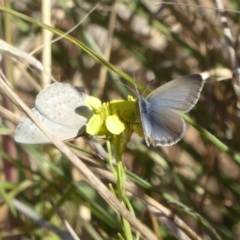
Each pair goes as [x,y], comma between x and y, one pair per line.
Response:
[180,94]
[161,122]
[59,102]
[162,127]
[27,132]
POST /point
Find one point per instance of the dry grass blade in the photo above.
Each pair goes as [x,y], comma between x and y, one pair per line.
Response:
[28,212]
[69,31]
[236,84]
[11,51]
[177,226]
[218,74]
[6,114]
[64,221]
[93,180]
[107,51]
[227,34]
[196,182]
[230,49]
[199,6]
[47,35]
[175,230]
[174,224]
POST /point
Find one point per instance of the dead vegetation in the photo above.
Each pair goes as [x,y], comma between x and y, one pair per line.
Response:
[189,190]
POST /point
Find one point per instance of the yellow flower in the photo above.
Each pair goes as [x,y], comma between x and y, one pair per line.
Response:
[111,118]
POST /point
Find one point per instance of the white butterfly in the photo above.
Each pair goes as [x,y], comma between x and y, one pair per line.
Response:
[62,108]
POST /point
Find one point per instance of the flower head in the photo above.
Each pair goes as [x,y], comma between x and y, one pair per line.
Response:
[113,117]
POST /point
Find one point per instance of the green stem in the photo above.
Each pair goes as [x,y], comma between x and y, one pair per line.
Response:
[120,176]
[117,148]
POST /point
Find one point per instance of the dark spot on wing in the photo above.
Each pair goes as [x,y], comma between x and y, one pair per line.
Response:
[84,111]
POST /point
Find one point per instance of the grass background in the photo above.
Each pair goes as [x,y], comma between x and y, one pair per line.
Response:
[196,179]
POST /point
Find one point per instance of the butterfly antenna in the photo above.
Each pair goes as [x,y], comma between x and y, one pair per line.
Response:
[135,85]
[117,80]
[147,87]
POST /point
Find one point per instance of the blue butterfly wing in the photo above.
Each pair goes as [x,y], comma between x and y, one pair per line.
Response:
[180,94]
[162,127]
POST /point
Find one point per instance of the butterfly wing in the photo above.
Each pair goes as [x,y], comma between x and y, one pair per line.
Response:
[180,94]
[62,108]
[162,125]
[61,103]
[27,132]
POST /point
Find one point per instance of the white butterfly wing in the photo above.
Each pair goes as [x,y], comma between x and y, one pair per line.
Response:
[27,132]
[62,108]
[60,102]
[180,94]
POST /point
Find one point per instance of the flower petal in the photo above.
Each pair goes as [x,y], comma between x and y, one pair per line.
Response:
[114,124]
[94,125]
[94,102]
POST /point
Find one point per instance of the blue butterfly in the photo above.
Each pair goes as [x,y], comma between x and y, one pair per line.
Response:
[159,112]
